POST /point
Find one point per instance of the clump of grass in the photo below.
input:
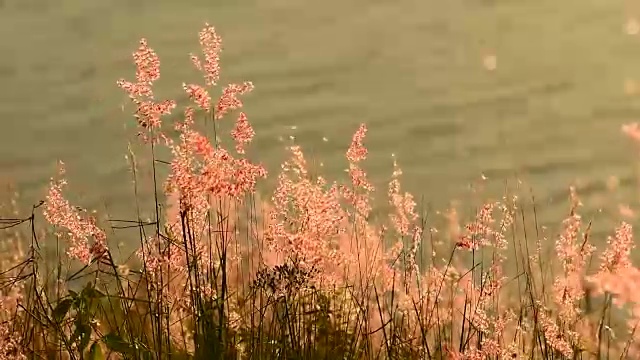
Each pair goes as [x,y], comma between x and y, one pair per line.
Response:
[308,273]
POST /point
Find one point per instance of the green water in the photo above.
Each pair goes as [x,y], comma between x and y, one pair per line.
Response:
[413,70]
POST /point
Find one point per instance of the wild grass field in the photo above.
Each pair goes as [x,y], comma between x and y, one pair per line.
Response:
[309,271]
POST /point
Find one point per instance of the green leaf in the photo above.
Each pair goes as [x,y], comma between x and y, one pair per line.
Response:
[116,343]
[93,293]
[95,353]
[85,336]
[81,333]
[61,310]
[90,292]
[143,350]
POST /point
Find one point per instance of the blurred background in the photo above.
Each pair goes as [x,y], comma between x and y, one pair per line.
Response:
[456,89]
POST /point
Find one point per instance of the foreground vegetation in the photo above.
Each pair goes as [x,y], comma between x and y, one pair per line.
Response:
[308,273]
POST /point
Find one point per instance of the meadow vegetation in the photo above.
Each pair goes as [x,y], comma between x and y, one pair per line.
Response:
[307,273]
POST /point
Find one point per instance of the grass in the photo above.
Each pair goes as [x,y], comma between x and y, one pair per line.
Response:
[308,273]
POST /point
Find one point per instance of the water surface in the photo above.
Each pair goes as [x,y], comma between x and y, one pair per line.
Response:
[418,72]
